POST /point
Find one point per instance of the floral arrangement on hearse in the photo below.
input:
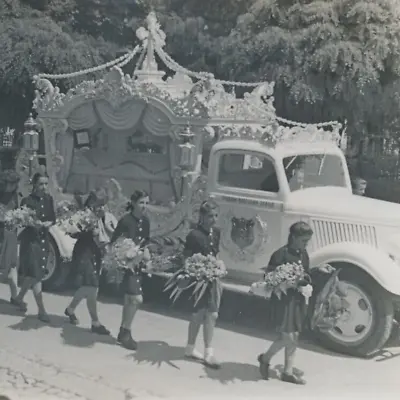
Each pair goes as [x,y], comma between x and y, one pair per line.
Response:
[281,279]
[124,255]
[198,274]
[330,303]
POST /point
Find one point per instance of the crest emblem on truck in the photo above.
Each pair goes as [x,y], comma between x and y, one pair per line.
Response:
[243,236]
[242,232]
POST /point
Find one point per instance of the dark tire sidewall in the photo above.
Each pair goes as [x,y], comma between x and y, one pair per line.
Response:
[54,281]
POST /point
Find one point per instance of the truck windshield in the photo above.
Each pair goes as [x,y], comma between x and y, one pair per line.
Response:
[314,170]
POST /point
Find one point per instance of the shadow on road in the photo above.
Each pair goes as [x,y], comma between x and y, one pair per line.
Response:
[8,309]
[231,371]
[155,352]
[31,322]
[77,336]
[71,335]
[387,354]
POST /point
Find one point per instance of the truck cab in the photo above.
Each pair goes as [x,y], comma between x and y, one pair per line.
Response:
[262,190]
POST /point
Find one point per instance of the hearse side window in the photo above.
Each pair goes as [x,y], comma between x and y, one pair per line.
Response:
[247,171]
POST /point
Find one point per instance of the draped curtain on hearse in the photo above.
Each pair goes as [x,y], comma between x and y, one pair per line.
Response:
[130,143]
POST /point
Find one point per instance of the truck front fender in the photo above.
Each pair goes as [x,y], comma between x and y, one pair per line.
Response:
[64,242]
[373,261]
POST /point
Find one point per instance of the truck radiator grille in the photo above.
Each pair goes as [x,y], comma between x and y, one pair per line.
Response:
[328,232]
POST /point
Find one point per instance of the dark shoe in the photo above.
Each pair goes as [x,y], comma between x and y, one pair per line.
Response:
[263,368]
[44,318]
[72,317]
[100,330]
[125,339]
[20,304]
[292,379]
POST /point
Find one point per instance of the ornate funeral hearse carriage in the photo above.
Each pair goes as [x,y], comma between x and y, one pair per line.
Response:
[184,137]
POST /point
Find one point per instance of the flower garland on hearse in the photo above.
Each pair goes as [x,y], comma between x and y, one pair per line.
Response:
[330,303]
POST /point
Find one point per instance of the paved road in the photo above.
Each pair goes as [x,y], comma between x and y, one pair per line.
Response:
[67,362]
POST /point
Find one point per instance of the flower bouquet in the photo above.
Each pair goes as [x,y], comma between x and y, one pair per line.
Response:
[78,222]
[198,273]
[284,277]
[124,255]
[65,209]
[21,217]
[3,210]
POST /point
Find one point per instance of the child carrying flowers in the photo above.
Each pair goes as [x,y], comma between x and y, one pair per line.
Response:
[290,309]
[204,240]
[122,256]
[9,180]
[35,243]
[134,225]
[88,228]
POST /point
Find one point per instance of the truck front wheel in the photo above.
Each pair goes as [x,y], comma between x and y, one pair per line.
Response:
[366,325]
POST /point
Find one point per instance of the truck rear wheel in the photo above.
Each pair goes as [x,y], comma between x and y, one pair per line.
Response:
[366,325]
[53,279]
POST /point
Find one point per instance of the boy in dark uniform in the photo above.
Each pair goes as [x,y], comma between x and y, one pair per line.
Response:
[204,239]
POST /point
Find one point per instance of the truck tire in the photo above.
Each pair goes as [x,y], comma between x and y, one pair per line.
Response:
[367,326]
[53,280]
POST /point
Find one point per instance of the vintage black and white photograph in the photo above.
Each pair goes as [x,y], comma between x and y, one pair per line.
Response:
[199,199]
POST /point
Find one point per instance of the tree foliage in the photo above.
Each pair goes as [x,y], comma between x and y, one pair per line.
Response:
[330,59]
[37,45]
[32,43]
[336,55]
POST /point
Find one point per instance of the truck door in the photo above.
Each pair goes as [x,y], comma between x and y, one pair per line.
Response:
[246,187]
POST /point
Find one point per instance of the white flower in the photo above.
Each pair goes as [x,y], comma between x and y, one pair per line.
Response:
[131,254]
[146,254]
[306,291]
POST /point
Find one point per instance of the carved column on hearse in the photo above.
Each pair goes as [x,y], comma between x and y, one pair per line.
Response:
[189,182]
[54,161]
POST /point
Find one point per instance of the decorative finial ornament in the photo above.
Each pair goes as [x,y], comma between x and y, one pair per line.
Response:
[30,123]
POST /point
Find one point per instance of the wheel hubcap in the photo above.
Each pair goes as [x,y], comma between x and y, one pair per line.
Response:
[357,321]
